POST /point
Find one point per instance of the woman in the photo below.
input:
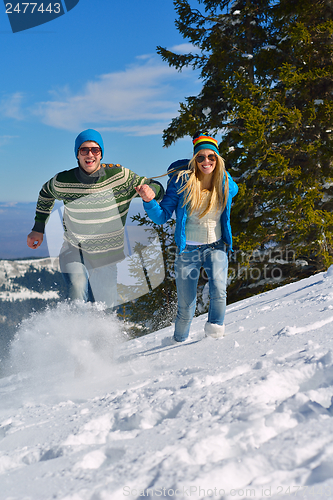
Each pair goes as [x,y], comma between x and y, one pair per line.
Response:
[200,192]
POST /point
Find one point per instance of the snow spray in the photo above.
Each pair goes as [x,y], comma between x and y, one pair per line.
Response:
[66,350]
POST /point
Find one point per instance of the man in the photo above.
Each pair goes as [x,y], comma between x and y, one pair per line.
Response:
[96,201]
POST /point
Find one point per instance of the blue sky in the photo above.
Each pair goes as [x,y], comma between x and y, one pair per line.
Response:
[94,67]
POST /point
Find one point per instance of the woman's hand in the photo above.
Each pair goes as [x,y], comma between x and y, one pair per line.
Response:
[146,192]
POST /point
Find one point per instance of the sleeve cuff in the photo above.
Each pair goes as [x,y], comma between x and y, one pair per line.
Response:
[158,189]
[149,204]
[39,227]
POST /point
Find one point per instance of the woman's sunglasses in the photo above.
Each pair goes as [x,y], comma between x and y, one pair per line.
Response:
[85,151]
[202,158]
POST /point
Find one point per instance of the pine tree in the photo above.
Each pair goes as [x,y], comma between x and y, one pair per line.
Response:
[227,40]
[157,308]
[266,68]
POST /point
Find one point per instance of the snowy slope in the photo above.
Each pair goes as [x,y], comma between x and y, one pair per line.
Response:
[11,269]
[86,414]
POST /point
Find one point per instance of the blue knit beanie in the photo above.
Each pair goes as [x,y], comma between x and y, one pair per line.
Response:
[88,135]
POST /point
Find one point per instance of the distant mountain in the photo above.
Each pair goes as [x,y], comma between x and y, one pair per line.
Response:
[26,279]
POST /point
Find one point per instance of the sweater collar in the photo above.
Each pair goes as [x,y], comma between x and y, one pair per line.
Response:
[83,177]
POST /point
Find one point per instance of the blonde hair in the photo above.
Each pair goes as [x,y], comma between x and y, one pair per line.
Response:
[218,195]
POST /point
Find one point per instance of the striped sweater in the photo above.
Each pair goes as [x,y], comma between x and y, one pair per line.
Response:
[95,206]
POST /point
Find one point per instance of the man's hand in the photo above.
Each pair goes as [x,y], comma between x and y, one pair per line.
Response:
[146,192]
[34,239]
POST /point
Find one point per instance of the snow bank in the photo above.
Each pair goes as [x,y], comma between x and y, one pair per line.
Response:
[248,416]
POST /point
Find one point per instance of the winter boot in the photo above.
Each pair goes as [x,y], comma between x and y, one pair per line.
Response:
[214,330]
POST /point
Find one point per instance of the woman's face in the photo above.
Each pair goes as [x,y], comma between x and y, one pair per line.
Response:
[206,161]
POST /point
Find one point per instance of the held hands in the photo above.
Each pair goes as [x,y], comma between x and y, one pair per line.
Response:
[146,192]
[34,239]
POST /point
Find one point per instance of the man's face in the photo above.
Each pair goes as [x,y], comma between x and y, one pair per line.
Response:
[89,162]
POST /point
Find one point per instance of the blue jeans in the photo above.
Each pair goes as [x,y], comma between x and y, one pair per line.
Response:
[87,283]
[213,258]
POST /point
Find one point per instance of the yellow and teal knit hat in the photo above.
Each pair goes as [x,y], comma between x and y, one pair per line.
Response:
[203,141]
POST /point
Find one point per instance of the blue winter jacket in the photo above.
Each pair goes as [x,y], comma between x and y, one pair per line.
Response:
[172,201]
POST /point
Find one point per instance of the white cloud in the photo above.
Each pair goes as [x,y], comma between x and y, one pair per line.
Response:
[141,100]
[5,139]
[185,48]
[155,128]
[11,106]
[8,204]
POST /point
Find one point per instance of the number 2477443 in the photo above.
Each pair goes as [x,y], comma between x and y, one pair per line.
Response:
[31,7]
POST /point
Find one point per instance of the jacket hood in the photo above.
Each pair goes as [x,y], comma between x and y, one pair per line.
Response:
[178,165]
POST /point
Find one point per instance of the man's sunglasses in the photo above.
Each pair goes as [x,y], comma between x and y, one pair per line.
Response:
[95,151]
[202,158]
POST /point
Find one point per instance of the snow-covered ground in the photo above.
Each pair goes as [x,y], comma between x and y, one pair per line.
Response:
[86,414]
